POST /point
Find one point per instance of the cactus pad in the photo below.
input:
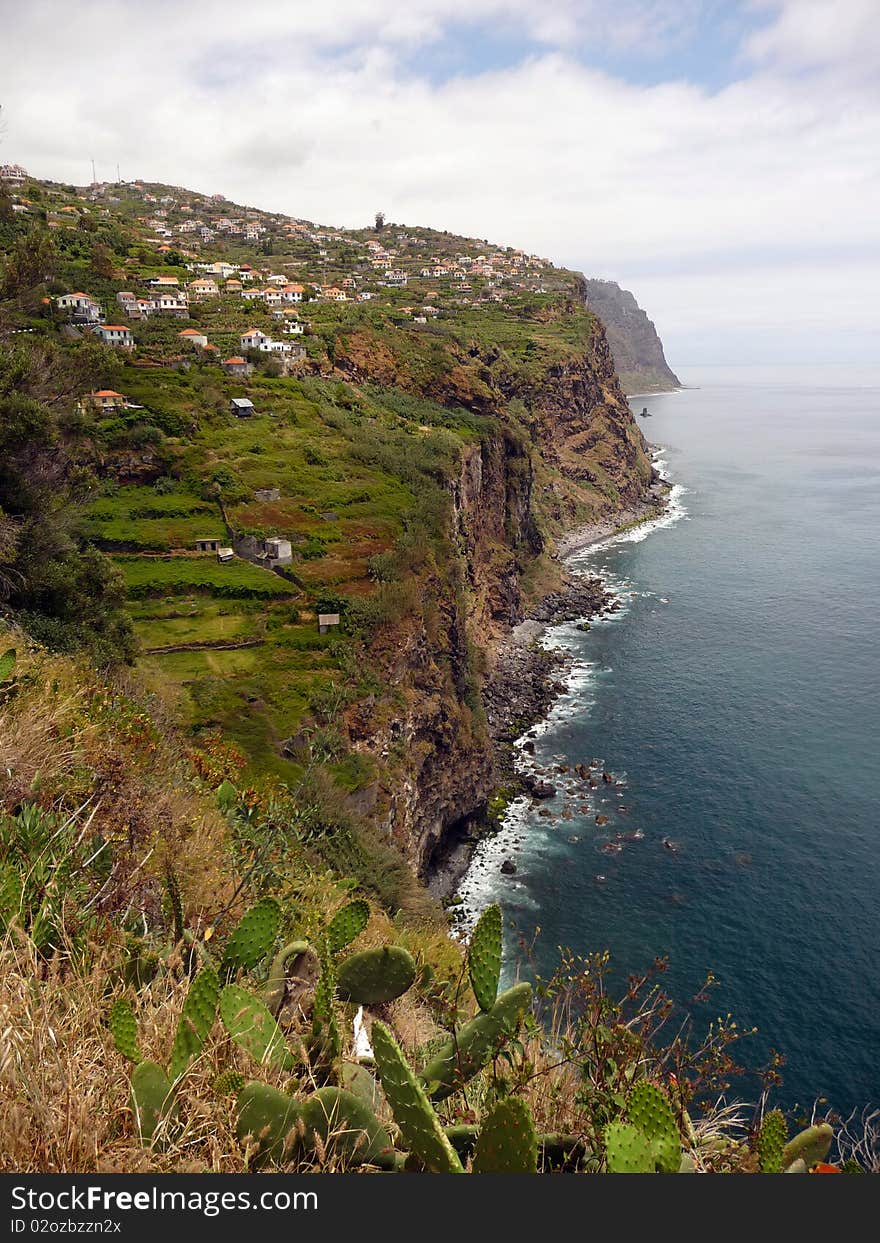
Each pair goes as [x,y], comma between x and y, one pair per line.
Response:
[269,1122]
[810,1146]
[376,975]
[348,923]
[507,1143]
[338,1124]
[253,937]
[476,1043]
[196,1019]
[484,957]
[771,1142]
[152,1098]
[412,1111]
[627,1150]
[251,1025]
[123,1027]
[650,1112]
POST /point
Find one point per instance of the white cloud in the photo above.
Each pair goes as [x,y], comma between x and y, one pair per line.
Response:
[675,189]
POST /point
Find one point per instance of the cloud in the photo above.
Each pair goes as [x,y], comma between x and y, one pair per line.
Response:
[674,188]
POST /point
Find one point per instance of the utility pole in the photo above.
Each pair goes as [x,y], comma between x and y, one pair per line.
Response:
[94,178]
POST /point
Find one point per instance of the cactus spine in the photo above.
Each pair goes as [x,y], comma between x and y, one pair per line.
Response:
[412,1111]
[507,1143]
[484,957]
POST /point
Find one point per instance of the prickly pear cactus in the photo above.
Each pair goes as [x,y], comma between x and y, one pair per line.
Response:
[338,1124]
[376,975]
[627,1150]
[476,1043]
[412,1111]
[123,1027]
[362,1084]
[810,1146]
[484,957]
[348,923]
[771,1142]
[650,1112]
[196,1019]
[152,1099]
[507,1143]
[251,1025]
[252,938]
[269,1123]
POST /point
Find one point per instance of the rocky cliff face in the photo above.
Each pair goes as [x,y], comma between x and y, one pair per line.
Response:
[571,453]
[637,349]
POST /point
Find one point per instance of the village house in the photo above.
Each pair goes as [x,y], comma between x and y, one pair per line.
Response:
[79,307]
[277,551]
[395,277]
[292,293]
[326,621]
[105,399]
[171,303]
[115,334]
[191,336]
[207,545]
[12,174]
[125,297]
[163,282]
[233,287]
[254,340]
[203,288]
[268,495]
[237,366]
[241,407]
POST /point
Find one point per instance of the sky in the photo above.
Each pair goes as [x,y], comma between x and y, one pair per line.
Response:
[720,158]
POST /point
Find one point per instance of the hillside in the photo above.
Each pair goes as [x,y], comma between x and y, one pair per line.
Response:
[635,345]
[271,498]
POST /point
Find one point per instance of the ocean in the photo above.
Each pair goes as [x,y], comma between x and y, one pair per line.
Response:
[736,694]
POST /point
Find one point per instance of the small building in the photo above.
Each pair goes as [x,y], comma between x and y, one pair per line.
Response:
[277,551]
[79,306]
[191,336]
[107,399]
[241,407]
[237,366]
[224,555]
[207,545]
[254,340]
[268,495]
[326,621]
[115,334]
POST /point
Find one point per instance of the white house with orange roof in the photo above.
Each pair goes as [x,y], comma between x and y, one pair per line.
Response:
[79,306]
[116,335]
[204,287]
[253,339]
[191,336]
[107,399]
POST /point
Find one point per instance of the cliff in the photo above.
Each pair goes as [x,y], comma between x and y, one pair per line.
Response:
[637,349]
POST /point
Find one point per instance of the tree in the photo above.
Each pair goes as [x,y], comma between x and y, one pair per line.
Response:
[32,260]
[380,221]
[102,261]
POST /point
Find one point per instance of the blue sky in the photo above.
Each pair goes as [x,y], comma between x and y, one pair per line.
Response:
[718,157]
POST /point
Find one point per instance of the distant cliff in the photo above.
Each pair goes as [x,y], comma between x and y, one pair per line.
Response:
[637,349]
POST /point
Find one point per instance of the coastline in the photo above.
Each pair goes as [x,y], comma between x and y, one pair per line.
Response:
[529,677]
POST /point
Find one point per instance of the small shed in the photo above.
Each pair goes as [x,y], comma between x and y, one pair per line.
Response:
[267,495]
[224,555]
[278,551]
[207,545]
[241,407]
[326,621]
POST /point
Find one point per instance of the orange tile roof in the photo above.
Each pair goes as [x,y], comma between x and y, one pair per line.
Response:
[106,392]
[235,359]
[190,332]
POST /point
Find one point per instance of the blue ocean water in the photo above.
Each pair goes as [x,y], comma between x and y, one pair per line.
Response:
[737,695]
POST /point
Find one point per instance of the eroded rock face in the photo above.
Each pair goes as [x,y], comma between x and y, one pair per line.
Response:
[635,345]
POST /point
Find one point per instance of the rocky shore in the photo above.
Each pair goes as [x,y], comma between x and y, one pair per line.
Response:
[528,677]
